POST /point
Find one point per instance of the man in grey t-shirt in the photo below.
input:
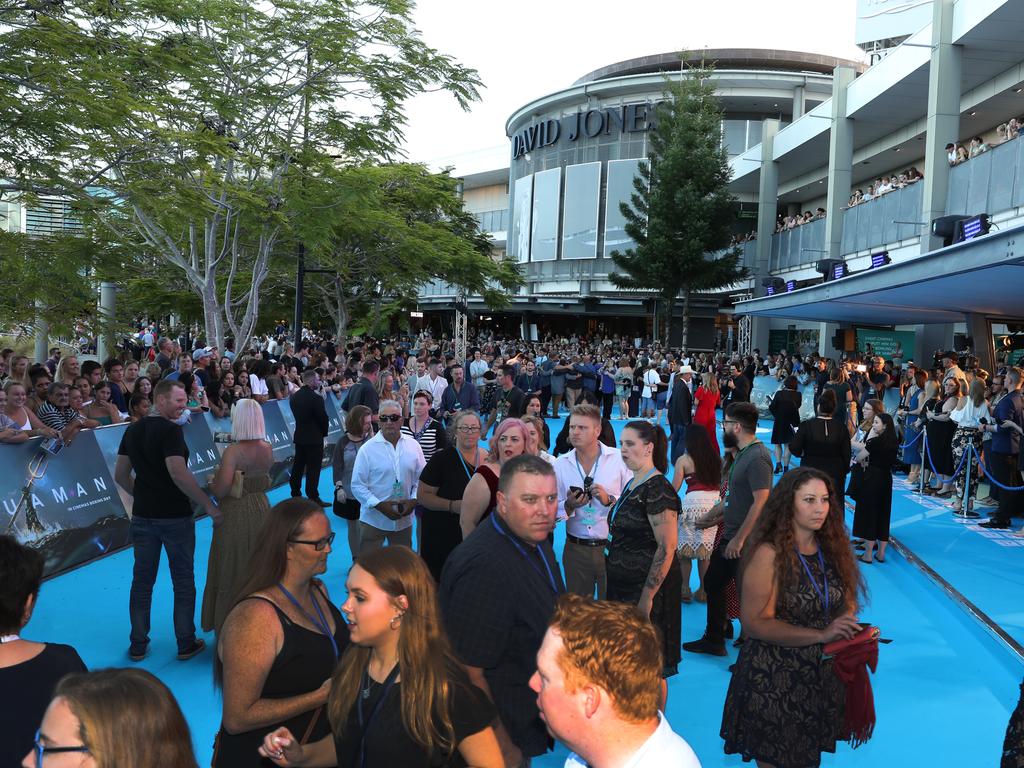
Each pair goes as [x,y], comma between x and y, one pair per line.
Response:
[750,482]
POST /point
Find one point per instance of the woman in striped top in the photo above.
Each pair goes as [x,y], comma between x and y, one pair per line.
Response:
[425,430]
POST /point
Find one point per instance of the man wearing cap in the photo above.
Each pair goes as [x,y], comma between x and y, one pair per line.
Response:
[951,368]
[680,410]
[202,357]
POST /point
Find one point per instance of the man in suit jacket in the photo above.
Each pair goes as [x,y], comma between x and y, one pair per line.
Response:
[310,430]
[680,410]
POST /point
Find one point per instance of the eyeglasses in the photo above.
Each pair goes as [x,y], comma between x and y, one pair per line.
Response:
[729,421]
[391,417]
[41,750]
[467,430]
[319,544]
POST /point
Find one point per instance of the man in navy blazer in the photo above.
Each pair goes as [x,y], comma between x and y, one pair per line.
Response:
[310,431]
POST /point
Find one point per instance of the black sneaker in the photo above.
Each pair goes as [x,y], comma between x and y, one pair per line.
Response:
[993,523]
[321,502]
[971,514]
[193,650]
[136,655]
[704,645]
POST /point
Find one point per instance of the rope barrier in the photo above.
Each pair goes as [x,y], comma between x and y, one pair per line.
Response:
[907,445]
[995,482]
[956,471]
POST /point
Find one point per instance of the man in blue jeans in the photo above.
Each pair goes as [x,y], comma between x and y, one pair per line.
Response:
[163,489]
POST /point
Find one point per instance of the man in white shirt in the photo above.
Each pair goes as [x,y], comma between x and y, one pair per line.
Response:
[598,474]
[433,382]
[599,686]
[478,368]
[384,480]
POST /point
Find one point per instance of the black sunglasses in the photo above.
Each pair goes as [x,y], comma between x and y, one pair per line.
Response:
[319,544]
[41,749]
[391,417]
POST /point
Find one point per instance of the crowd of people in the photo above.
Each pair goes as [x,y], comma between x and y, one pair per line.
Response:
[463,636]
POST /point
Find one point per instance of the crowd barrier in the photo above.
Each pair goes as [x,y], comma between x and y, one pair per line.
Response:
[68,506]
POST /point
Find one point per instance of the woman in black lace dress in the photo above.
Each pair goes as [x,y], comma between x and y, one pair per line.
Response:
[800,590]
[641,561]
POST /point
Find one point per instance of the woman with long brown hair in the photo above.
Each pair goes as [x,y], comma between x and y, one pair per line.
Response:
[283,638]
[113,718]
[800,589]
[399,697]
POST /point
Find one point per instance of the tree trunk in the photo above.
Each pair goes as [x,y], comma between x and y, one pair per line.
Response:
[684,338]
[670,311]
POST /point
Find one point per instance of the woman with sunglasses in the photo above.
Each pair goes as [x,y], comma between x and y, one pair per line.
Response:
[282,640]
[399,696]
[442,486]
[510,439]
[109,719]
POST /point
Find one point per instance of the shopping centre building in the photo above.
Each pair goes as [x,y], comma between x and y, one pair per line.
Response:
[802,132]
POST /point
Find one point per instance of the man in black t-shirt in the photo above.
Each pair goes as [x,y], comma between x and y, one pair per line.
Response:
[163,489]
[498,592]
[364,391]
[738,386]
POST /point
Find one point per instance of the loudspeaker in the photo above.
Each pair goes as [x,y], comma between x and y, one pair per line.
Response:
[845,340]
[945,227]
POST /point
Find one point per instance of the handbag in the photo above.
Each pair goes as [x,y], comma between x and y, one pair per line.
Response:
[851,660]
[305,737]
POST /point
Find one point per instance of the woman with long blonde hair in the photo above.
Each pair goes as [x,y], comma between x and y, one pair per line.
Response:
[399,695]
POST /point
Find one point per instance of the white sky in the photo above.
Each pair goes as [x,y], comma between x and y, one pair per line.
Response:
[527,50]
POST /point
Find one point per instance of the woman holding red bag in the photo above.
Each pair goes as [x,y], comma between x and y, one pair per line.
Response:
[800,590]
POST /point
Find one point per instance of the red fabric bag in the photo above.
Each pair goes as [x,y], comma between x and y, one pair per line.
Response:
[851,660]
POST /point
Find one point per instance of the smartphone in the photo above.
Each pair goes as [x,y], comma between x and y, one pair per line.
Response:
[861,369]
[576,490]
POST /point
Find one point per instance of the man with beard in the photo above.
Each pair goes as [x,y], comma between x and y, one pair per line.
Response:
[750,482]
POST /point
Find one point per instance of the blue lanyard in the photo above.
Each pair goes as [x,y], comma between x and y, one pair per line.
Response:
[526,556]
[625,495]
[464,465]
[365,728]
[322,624]
[579,467]
[822,595]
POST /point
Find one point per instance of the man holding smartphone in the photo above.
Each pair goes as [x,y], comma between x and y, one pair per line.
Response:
[590,478]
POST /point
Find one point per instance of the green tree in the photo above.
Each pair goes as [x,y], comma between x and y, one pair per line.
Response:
[186,127]
[681,209]
[385,230]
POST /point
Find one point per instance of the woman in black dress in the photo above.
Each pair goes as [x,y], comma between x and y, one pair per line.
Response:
[785,408]
[641,560]
[800,590]
[442,484]
[939,429]
[399,697]
[281,642]
[874,497]
[824,443]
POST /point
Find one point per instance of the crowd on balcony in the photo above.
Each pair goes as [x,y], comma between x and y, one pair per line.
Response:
[959,152]
[784,223]
[883,185]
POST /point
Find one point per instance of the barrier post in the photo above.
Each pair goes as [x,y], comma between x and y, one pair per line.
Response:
[924,458]
[965,497]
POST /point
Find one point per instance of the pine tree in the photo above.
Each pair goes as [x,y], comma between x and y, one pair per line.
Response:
[681,209]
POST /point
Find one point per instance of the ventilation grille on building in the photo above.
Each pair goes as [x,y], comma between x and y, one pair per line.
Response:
[49,216]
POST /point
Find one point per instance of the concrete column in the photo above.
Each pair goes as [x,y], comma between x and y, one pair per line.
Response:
[798,103]
[825,333]
[840,162]
[944,79]
[767,203]
[980,330]
[929,339]
[42,337]
[105,345]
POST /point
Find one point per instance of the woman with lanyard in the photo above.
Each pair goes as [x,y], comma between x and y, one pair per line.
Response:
[425,430]
[642,526]
[282,640]
[442,486]
[800,589]
[510,439]
[399,696]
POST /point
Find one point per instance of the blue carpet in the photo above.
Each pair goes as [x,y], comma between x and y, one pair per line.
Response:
[943,692]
